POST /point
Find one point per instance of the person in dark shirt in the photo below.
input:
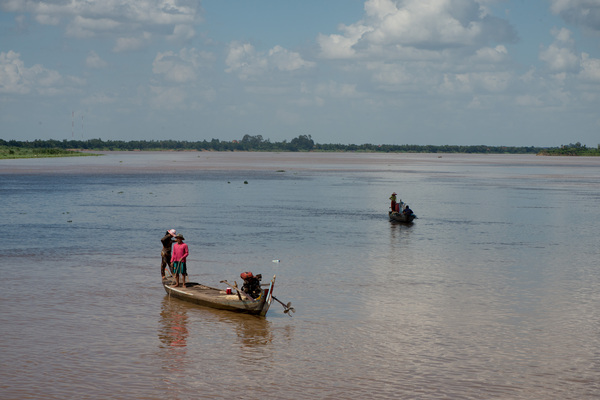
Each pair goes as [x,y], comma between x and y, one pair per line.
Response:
[167,242]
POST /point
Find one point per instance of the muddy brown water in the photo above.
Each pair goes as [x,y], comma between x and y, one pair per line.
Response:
[493,292]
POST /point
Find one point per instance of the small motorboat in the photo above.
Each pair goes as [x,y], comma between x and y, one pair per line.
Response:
[232,298]
[401,216]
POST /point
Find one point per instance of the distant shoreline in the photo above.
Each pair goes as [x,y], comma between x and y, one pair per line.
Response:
[86,153]
[303,144]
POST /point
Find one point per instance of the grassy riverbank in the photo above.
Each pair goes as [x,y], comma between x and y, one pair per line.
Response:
[8,152]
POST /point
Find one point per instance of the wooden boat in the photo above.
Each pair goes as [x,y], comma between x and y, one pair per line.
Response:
[401,217]
[216,298]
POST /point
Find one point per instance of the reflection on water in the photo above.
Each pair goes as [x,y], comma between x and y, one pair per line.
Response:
[252,331]
[173,331]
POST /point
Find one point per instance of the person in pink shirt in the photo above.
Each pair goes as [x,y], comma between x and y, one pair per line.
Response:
[179,255]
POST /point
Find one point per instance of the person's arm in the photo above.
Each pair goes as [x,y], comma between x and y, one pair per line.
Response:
[186,252]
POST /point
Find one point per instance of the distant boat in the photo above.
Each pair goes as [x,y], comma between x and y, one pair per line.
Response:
[232,299]
[401,217]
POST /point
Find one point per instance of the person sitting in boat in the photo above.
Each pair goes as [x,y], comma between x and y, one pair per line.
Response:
[393,199]
[407,210]
[251,284]
[178,259]
[165,254]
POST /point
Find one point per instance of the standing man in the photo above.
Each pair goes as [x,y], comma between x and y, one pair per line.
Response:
[393,199]
[178,258]
[167,242]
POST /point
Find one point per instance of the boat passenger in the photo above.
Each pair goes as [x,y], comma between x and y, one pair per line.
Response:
[393,199]
[178,259]
[407,210]
[167,241]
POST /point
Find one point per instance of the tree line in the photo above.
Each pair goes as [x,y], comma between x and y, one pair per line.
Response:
[571,149]
[258,143]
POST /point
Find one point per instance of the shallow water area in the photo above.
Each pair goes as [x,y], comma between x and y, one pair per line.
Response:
[491,293]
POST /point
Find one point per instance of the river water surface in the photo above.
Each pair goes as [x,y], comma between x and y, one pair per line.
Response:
[492,293]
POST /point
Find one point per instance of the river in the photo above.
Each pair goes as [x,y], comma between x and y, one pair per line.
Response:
[492,293]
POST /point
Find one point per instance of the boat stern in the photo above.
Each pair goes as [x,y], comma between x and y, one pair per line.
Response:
[268,297]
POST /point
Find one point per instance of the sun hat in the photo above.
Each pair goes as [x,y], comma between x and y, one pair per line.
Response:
[394,193]
[172,232]
[179,236]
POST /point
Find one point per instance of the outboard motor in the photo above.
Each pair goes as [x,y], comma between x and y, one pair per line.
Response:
[251,284]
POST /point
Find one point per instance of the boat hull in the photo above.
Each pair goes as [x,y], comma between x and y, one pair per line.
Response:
[216,298]
[400,217]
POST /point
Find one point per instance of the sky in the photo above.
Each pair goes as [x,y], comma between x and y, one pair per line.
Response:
[424,72]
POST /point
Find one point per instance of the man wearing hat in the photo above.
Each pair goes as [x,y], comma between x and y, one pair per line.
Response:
[178,258]
[167,242]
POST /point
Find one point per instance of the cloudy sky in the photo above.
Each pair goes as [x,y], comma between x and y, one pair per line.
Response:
[493,72]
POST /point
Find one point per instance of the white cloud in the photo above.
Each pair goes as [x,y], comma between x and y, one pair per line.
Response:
[590,68]
[391,74]
[562,58]
[492,81]
[93,60]
[243,59]
[285,60]
[342,46]
[391,26]
[435,46]
[182,32]
[560,55]
[584,13]
[180,67]
[132,43]
[16,78]
[490,55]
[120,19]
[473,83]
[81,27]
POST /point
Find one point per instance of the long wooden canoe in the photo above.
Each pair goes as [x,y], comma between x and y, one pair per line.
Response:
[216,298]
[401,217]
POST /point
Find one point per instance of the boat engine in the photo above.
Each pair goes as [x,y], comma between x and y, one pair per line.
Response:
[251,284]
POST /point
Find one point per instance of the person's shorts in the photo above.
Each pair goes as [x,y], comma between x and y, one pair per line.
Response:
[179,267]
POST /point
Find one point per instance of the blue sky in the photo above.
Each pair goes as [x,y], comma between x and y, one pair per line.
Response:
[510,72]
